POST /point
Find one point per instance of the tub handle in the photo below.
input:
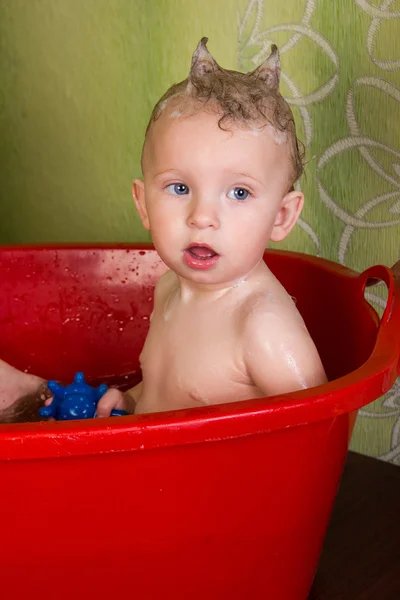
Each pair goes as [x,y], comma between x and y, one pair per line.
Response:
[390,322]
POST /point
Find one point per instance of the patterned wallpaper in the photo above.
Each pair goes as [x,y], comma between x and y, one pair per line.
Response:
[340,67]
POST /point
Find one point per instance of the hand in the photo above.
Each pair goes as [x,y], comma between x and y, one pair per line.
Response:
[21,394]
[114,399]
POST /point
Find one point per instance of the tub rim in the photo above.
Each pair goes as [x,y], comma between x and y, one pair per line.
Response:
[28,441]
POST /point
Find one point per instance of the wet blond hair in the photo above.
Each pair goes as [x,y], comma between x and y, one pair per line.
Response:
[244,99]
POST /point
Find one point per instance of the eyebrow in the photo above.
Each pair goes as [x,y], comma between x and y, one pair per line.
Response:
[249,176]
[177,171]
[166,171]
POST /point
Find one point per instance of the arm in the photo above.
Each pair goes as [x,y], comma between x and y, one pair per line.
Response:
[135,393]
[279,353]
[113,398]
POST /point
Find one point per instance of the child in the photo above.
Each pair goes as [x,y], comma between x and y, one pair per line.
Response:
[219,162]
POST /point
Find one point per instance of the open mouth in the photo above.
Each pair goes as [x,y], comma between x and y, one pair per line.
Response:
[200,257]
[201,252]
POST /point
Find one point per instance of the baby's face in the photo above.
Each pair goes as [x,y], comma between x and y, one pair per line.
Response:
[212,199]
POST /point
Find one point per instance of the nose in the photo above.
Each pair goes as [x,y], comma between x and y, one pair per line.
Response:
[203,213]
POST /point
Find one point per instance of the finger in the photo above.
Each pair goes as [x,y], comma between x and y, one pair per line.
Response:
[49,401]
[113,398]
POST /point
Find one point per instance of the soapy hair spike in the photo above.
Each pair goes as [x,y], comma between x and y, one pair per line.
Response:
[270,70]
[245,99]
[203,63]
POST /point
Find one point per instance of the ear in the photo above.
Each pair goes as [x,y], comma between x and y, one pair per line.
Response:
[139,199]
[270,70]
[289,211]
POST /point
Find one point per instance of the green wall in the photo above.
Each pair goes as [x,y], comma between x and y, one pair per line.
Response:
[78,82]
[79,79]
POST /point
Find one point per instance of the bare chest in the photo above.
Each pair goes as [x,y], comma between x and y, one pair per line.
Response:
[192,359]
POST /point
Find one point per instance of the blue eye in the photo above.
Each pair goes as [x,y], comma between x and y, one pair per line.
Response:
[238,193]
[179,189]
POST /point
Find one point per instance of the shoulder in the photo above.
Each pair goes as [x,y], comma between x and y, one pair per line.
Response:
[273,310]
[164,286]
[278,351]
[274,328]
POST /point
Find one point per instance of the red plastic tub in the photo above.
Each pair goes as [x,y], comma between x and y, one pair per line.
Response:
[228,502]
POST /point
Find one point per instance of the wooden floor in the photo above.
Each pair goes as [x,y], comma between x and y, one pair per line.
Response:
[361,556]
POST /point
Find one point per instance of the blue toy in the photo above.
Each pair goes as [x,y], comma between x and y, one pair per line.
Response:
[75,401]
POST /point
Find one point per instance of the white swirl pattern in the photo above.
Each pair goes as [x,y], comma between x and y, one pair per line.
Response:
[379,156]
[385,65]
[261,40]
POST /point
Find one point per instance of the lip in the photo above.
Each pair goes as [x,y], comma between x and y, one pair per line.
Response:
[200,264]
